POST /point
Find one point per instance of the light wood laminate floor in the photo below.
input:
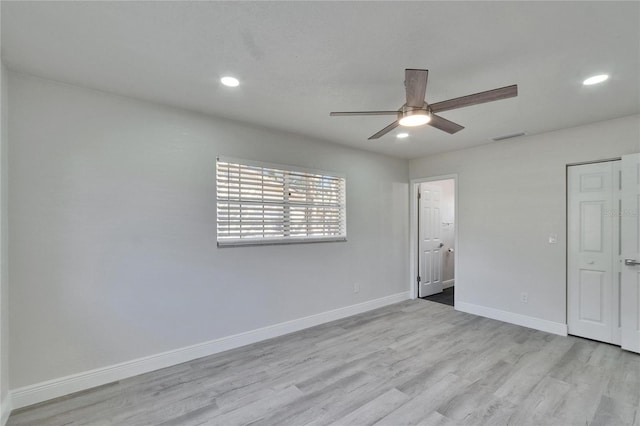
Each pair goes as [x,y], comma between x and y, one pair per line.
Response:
[412,363]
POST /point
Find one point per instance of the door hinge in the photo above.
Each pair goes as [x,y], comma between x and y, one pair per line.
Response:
[419,196]
[418,278]
[620,180]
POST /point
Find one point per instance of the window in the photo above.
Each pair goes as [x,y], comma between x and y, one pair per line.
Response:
[260,203]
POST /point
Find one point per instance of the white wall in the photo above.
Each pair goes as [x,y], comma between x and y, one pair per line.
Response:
[511,196]
[113,240]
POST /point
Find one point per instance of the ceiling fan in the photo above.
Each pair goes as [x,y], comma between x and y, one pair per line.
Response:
[417,112]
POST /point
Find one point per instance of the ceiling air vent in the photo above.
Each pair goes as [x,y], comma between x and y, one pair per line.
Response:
[514,135]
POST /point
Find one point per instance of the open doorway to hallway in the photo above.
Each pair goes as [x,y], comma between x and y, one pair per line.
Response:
[435,239]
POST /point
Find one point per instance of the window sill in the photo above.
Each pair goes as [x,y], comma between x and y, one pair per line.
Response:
[275,241]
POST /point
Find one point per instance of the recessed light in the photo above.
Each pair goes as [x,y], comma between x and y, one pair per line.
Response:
[595,79]
[402,135]
[230,81]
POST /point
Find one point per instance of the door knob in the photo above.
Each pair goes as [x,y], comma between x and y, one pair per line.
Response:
[631,262]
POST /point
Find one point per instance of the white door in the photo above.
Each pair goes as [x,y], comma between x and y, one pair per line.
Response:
[430,240]
[629,213]
[593,302]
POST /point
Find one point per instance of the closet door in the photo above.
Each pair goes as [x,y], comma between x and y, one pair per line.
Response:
[592,309]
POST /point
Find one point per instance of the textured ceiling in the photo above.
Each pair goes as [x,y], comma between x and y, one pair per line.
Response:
[297,61]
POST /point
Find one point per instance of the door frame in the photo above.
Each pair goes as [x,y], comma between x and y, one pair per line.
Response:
[413,231]
[606,331]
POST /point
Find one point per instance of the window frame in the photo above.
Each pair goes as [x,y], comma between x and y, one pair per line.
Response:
[286,205]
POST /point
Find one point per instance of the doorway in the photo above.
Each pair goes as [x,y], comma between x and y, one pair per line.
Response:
[434,238]
[593,246]
[603,251]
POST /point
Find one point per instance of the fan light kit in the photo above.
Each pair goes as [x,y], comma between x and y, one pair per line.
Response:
[230,81]
[417,112]
[414,118]
[596,79]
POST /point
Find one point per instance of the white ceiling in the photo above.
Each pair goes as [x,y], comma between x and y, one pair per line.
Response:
[297,61]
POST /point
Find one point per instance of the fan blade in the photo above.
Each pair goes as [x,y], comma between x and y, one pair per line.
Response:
[444,124]
[345,113]
[386,130]
[415,83]
[477,98]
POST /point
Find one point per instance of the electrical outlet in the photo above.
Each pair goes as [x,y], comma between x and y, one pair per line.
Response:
[553,238]
[524,297]
[356,287]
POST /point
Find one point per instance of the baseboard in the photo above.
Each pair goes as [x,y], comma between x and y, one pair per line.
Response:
[44,391]
[513,318]
[5,409]
[448,283]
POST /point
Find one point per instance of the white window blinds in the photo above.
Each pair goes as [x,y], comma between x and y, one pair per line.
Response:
[261,203]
